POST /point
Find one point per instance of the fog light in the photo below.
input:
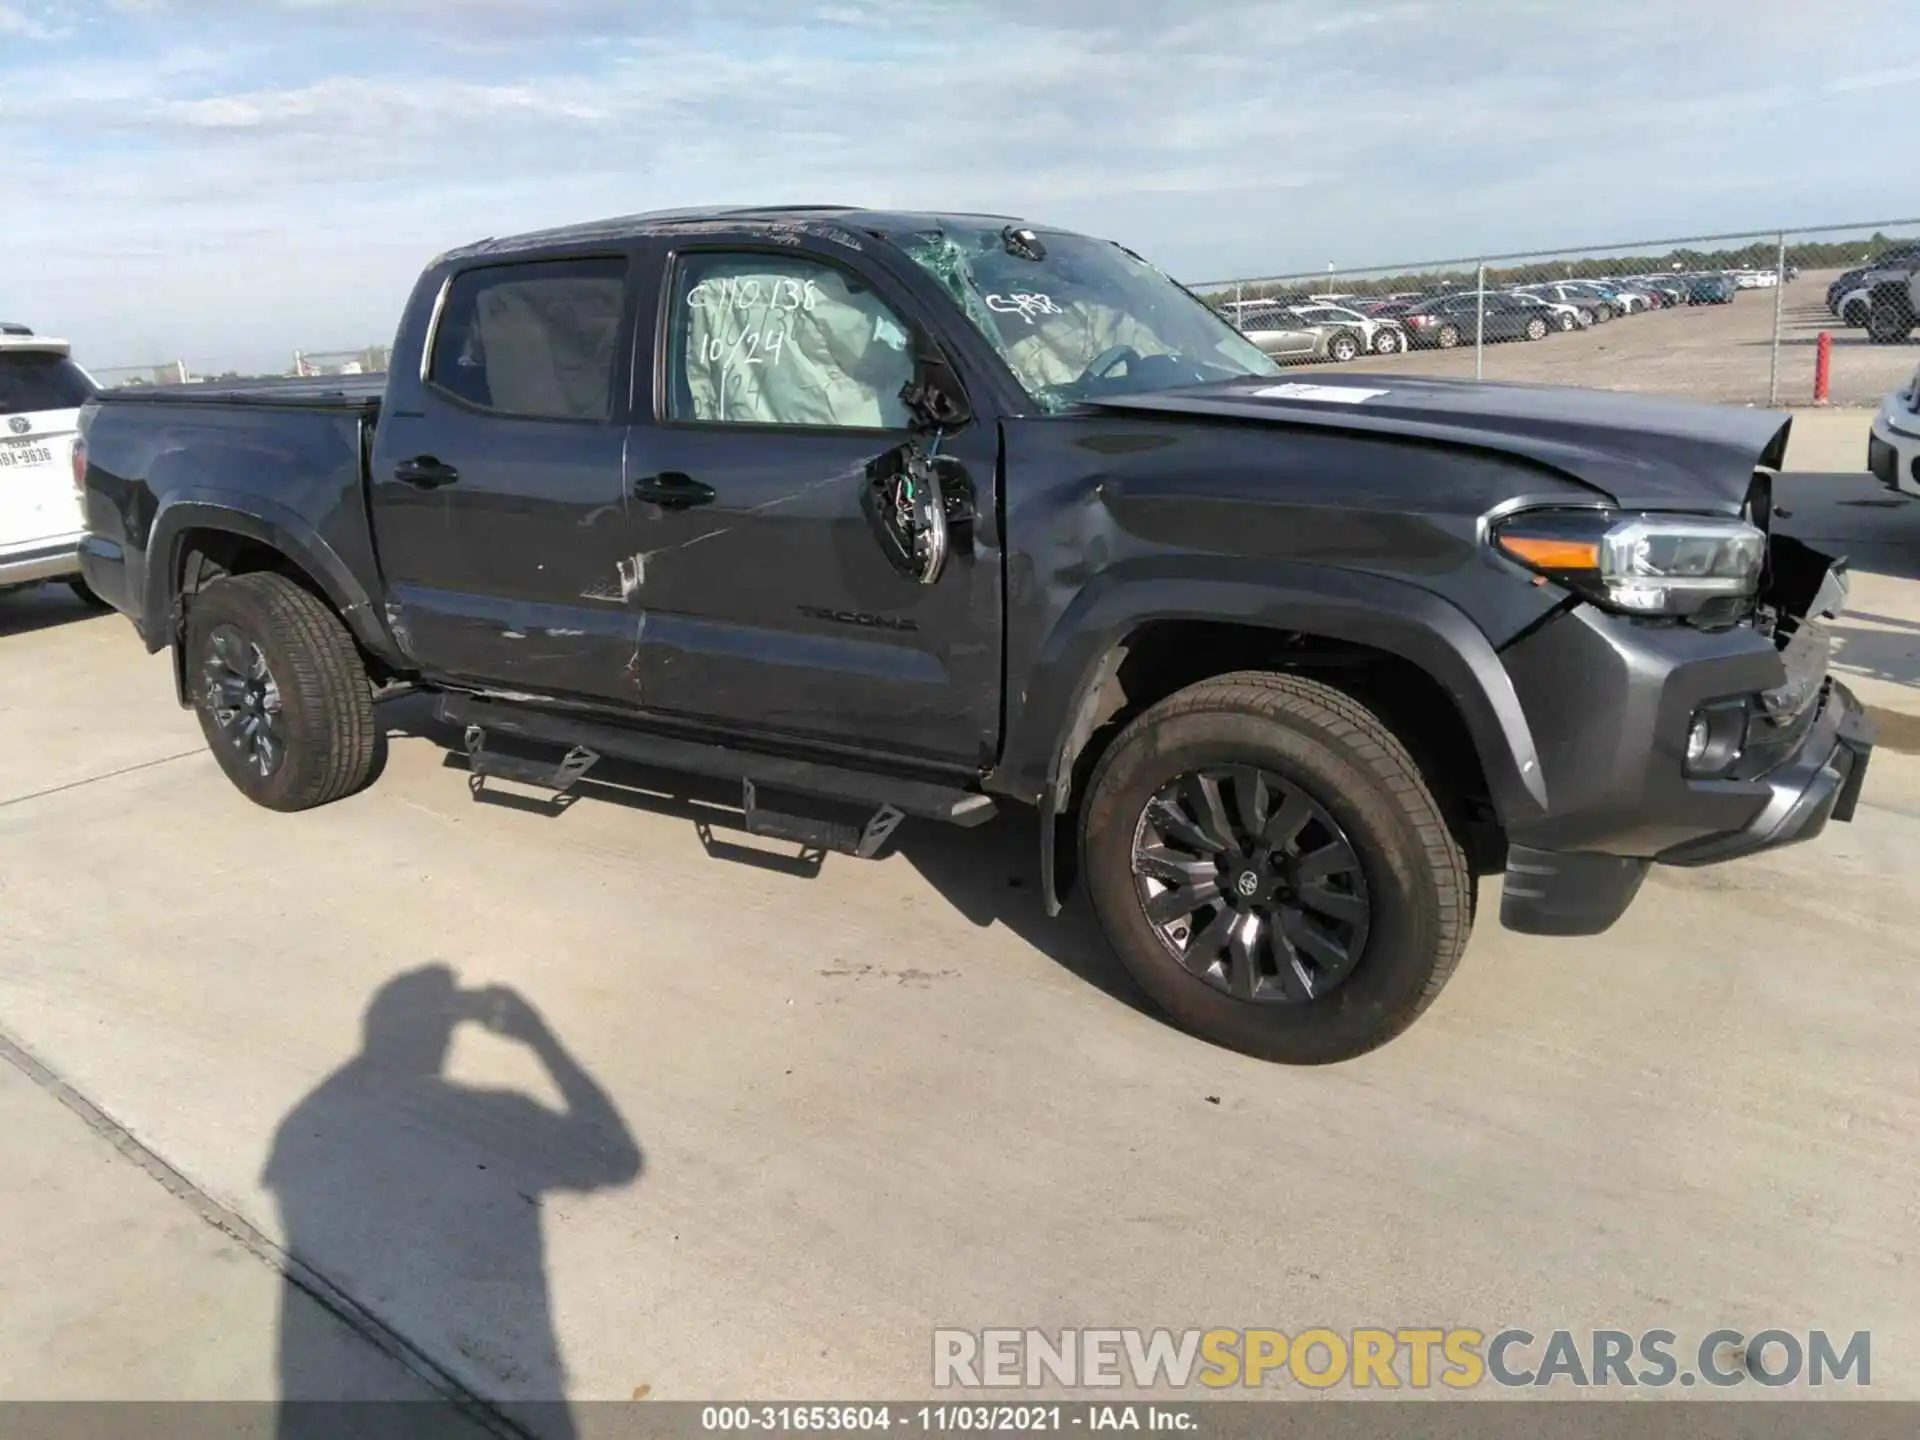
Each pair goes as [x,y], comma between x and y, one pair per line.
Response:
[1716,736]
[1698,738]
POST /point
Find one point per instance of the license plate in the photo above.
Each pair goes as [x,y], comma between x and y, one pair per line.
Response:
[24,454]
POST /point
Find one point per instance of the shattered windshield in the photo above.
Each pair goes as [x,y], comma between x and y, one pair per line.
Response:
[1076,318]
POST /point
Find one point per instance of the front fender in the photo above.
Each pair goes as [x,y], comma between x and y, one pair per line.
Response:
[1048,726]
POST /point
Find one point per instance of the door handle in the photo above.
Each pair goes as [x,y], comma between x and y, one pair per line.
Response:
[425,473]
[672,490]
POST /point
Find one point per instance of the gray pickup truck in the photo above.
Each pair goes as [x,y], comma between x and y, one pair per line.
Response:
[934,515]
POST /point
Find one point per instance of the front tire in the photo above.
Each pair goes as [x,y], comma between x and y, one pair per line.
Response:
[281,692]
[1387,342]
[1268,863]
[1536,329]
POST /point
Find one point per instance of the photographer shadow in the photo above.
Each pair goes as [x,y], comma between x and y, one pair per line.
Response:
[422,1198]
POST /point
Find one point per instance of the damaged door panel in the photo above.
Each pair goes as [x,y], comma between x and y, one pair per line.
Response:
[496,485]
[777,606]
[797,588]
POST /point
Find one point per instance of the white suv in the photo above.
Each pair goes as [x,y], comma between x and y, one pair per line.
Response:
[41,392]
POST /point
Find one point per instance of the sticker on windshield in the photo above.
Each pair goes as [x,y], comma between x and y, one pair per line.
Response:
[1332,394]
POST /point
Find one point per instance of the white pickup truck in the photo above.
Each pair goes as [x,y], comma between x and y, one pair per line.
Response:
[41,392]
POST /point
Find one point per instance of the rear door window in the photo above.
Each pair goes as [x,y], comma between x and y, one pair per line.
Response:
[537,341]
[31,381]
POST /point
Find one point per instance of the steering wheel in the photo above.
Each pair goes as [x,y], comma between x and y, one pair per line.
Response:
[1104,363]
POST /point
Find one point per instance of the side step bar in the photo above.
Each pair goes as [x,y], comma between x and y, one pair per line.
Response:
[587,741]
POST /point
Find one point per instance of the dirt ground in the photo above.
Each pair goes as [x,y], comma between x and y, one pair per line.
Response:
[1704,352]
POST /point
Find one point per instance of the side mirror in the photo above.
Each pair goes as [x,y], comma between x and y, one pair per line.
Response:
[934,397]
[907,507]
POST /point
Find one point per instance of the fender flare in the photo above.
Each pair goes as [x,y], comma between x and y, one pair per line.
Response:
[1055,721]
[268,522]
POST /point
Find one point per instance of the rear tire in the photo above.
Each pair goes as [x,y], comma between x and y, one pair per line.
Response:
[1343,347]
[1448,338]
[1315,750]
[267,658]
[1890,320]
[1536,329]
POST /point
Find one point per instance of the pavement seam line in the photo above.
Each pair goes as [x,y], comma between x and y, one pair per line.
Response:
[96,779]
[362,1322]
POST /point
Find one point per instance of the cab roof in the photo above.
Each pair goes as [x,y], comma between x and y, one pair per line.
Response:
[846,224]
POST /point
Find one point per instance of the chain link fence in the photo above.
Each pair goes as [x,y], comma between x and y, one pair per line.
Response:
[1735,318]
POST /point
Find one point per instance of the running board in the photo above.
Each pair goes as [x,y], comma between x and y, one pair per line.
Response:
[922,799]
[483,764]
[815,833]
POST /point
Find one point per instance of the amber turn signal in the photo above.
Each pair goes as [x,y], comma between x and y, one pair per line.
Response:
[1552,553]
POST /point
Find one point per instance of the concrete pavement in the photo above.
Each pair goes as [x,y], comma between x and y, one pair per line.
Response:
[769,1127]
[121,1283]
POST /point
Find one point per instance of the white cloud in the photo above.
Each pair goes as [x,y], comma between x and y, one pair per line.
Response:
[231,181]
[17,22]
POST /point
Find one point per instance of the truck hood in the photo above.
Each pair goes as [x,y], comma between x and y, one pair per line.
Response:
[1641,453]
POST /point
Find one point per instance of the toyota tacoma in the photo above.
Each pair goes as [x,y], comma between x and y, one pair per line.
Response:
[925,516]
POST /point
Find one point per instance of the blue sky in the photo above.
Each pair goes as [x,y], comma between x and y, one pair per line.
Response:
[226,181]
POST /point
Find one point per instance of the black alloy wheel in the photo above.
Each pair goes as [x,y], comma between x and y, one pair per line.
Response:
[244,699]
[281,692]
[1251,885]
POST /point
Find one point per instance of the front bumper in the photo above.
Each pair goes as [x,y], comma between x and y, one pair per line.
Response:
[1550,892]
[52,560]
[1610,702]
[1893,447]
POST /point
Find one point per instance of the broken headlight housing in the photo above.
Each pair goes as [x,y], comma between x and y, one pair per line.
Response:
[1641,564]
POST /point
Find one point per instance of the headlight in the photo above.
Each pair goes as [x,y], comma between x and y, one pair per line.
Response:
[1642,564]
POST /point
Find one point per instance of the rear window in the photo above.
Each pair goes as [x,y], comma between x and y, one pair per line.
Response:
[538,341]
[33,381]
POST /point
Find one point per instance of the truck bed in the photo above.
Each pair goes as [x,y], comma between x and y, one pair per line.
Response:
[358,393]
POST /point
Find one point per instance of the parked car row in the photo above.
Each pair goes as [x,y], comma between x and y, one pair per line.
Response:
[1341,327]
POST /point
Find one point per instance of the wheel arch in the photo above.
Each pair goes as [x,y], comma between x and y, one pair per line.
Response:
[1419,662]
[197,538]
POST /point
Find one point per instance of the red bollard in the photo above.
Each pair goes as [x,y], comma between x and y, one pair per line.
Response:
[1822,367]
